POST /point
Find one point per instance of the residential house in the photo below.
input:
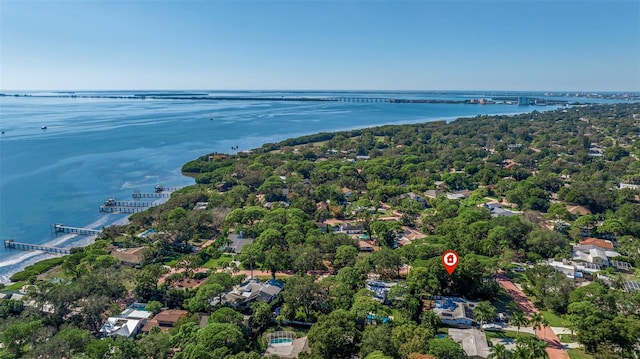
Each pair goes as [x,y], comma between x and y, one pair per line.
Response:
[130,256]
[496,209]
[352,228]
[602,243]
[251,290]
[380,289]
[455,195]
[593,254]
[568,269]
[128,323]
[237,241]
[472,341]
[578,210]
[165,320]
[365,246]
[433,193]
[415,197]
[454,312]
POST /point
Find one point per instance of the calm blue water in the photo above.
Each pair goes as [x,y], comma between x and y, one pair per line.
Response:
[93,149]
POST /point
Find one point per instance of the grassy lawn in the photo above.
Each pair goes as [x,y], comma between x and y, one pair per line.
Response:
[216,263]
[171,263]
[566,338]
[553,319]
[506,334]
[578,354]
[15,286]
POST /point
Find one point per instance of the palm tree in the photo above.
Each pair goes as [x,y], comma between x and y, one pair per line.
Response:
[538,321]
[499,351]
[518,320]
[521,352]
[538,349]
[484,312]
[529,348]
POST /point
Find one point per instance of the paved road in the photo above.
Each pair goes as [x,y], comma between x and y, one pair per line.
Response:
[554,348]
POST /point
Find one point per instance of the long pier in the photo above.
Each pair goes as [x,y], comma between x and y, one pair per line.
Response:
[117,209]
[111,202]
[139,195]
[11,244]
[112,205]
[60,228]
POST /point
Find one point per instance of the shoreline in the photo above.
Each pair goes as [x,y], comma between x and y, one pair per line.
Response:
[37,256]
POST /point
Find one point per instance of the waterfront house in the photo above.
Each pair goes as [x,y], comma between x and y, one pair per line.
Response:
[130,256]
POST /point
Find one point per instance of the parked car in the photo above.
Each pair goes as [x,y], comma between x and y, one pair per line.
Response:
[491,327]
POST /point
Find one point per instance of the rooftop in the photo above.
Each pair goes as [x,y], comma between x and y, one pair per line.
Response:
[472,341]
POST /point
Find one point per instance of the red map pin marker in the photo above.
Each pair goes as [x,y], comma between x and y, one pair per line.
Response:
[450,261]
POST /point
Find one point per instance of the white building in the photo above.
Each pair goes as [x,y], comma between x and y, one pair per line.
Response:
[472,341]
[454,312]
[128,323]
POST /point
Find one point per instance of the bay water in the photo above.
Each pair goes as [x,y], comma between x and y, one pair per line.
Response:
[96,148]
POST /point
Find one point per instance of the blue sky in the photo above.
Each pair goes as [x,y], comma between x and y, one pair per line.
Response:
[394,45]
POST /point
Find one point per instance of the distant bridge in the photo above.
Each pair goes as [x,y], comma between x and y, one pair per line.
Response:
[203,97]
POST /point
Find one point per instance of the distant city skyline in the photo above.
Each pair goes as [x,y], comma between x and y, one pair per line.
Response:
[328,45]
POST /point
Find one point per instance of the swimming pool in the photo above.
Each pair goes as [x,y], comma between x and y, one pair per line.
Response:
[280,341]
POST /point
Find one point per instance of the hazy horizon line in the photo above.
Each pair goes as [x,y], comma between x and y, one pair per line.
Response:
[314,90]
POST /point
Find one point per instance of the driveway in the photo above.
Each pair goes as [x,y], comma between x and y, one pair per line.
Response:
[554,348]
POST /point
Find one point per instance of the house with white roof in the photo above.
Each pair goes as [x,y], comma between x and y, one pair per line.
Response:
[251,290]
[593,254]
[128,323]
[454,312]
[472,341]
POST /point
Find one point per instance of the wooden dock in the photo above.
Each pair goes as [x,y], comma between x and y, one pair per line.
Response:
[60,228]
[139,195]
[11,244]
[122,209]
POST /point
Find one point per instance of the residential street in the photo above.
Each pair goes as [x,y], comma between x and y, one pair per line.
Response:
[554,347]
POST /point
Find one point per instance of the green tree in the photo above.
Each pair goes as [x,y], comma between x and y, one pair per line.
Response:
[446,348]
[518,319]
[16,336]
[335,335]
[154,307]
[262,317]
[499,351]
[484,312]
[155,345]
[411,338]
[345,256]
[378,355]
[377,338]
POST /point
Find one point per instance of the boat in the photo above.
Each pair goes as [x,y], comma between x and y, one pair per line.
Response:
[43,127]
